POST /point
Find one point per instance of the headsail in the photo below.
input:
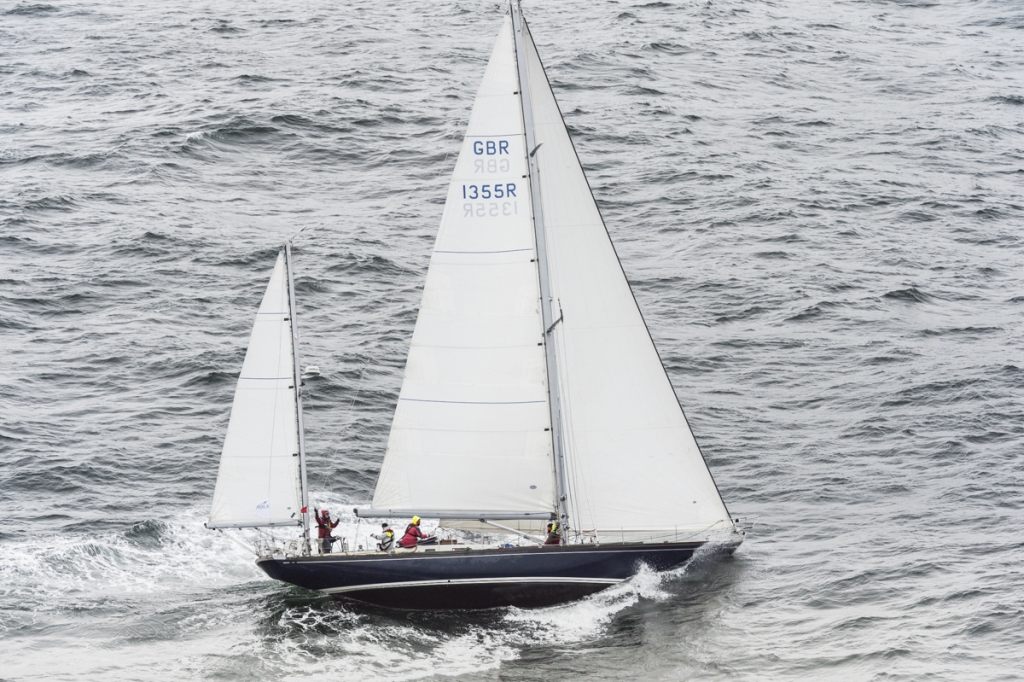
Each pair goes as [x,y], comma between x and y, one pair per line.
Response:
[259,481]
[471,429]
[633,467]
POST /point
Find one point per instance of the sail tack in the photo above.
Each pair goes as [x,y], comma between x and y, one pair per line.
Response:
[634,468]
[471,429]
[258,482]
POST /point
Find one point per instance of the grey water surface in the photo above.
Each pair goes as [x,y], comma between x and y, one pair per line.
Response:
[819,206]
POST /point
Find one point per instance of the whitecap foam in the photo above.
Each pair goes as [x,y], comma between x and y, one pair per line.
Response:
[587,618]
[330,643]
[149,587]
[55,570]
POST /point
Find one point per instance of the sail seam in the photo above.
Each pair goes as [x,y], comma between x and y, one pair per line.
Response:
[467,430]
[474,402]
[437,345]
[505,251]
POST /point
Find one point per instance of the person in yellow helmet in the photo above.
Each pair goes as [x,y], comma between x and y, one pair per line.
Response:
[414,536]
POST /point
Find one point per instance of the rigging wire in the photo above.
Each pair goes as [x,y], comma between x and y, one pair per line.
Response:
[362,373]
[237,542]
[359,382]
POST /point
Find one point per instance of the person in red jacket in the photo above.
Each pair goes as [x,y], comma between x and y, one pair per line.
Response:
[324,526]
[413,535]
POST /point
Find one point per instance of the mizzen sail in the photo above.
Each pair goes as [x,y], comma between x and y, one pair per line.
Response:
[259,479]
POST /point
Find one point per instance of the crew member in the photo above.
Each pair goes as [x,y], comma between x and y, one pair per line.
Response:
[386,537]
[413,535]
[554,534]
[324,526]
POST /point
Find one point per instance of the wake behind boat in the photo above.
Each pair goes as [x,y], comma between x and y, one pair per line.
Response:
[534,400]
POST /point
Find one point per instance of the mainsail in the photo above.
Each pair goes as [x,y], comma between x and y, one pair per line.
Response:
[259,482]
[472,431]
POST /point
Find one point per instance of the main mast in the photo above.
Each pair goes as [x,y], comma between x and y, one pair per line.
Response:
[298,398]
[546,300]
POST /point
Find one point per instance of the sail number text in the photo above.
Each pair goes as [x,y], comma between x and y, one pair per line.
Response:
[495,159]
[499,190]
[490,147]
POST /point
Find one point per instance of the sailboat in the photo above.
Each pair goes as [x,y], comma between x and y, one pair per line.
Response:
[533,398]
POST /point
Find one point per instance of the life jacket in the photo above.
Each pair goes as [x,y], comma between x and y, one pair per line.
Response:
[554,535]
[389,540]
[412,534]
[324,526]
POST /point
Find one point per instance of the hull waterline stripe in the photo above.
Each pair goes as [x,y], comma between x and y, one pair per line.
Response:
[471,581]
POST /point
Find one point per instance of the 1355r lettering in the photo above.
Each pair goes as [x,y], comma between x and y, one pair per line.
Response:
[499,190]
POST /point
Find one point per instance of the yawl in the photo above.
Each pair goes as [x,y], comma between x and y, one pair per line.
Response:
[533,393]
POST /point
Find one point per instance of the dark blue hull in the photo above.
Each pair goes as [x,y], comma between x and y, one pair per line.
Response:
[476,579]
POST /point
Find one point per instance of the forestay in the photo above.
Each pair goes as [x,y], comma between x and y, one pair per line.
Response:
[634,469]
[258,483]
[470,430]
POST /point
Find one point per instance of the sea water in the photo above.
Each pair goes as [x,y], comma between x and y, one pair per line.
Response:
[819,206]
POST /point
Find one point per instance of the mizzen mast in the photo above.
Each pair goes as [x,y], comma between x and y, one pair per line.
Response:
[298,400]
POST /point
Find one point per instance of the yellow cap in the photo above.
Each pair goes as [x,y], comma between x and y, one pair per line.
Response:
[415,519]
